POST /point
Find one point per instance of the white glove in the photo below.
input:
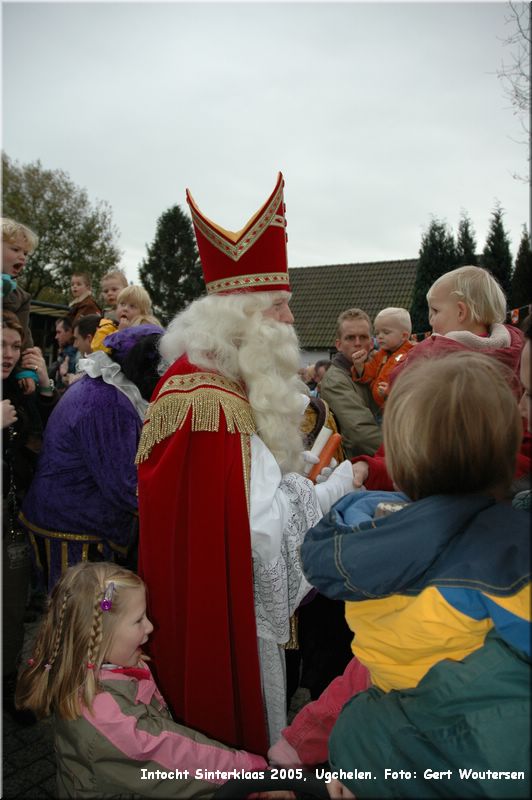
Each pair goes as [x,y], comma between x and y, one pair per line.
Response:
[340,483]
[311,459]
[326,472]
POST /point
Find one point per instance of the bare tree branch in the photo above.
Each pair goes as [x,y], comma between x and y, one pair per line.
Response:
[514,73]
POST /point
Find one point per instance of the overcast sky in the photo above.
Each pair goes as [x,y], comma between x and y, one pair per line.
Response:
[379,115]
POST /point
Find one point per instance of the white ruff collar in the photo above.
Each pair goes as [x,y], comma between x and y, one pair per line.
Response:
[99,365]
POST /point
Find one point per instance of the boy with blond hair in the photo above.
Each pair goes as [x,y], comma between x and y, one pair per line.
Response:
[111,285]
[428,582]
[393,328]
[436,582]
[18,242]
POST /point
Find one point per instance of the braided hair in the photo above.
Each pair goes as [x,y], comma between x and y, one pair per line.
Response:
[76,633]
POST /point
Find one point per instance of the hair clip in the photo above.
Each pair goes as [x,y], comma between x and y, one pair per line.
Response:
[30,662]
[107,602]
[48,667]
[90,665]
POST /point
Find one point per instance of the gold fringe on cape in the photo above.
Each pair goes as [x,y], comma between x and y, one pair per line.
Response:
[202,393]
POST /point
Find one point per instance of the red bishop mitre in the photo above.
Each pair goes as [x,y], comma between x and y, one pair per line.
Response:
[253,259]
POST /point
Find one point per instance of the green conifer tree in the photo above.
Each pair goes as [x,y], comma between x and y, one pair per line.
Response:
[437,255]
[171,272]
[466,245]
[521,294]
[496,255]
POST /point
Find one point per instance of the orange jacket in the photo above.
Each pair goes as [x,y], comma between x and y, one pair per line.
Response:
[379,369]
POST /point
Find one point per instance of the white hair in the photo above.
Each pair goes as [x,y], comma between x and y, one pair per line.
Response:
[400,316]
[229,334]
[478,290]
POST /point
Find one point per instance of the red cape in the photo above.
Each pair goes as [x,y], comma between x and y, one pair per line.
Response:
[195,554]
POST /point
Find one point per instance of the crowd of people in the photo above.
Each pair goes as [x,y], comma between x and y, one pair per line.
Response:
[166,490]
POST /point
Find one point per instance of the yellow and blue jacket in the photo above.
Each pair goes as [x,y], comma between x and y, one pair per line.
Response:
[425,583]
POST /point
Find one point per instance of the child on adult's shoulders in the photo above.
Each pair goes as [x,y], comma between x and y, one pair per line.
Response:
[18,243]
[467,310]
[111,285]
[393,328]
[83,302]
[133,307]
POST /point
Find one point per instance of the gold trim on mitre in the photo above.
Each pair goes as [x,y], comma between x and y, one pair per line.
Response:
[235,244]
[203,394]
[245,281]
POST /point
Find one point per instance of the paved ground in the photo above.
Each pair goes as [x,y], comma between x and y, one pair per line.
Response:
[28,760]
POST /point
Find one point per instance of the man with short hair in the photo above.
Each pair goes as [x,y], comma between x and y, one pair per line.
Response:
[320,368]
[84,331]
[352,403]
[67,355]
[223,502]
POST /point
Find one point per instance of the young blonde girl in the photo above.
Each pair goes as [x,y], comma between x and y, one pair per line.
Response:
[111,722]
[133,307]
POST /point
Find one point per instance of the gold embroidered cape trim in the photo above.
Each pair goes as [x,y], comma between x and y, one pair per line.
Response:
[245,443]
[243,281]
[237,250]
[201,394]
[70,537]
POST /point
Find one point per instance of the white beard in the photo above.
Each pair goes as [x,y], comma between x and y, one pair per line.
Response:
[268,360]
[230,335]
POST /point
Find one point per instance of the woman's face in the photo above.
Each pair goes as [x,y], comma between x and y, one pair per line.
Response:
[11,348]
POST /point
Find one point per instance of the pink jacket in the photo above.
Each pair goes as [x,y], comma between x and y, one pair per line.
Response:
[130,734]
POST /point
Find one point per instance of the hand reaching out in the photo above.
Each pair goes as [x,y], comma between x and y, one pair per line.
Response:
[360,474]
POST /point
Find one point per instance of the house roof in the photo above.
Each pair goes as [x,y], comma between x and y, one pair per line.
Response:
[320,294]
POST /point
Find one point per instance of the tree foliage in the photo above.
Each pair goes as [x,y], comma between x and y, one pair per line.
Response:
[466,246]
[74,234]
[171,272]
[496,255]
[436,256]
[521,294]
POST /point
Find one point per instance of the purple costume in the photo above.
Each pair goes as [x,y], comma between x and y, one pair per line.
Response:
[82,502]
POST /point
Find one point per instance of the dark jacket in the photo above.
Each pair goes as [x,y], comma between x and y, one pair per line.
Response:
[467,720]
[18,301]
